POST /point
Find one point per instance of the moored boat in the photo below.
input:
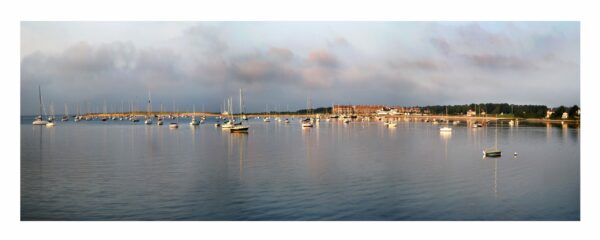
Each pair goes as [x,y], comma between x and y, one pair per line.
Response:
[446,129]
[492,153]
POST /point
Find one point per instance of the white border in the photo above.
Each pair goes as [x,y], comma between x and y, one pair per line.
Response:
[100,10]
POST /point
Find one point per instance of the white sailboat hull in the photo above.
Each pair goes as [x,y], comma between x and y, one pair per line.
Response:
[40,122]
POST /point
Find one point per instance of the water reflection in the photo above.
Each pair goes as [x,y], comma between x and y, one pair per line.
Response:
[445,136]
[238,142]
[495,175]
[358,171]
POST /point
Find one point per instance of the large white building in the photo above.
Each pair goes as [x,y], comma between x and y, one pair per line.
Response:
[470,113]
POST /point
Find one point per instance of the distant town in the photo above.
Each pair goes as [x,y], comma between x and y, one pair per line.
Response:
[469,110]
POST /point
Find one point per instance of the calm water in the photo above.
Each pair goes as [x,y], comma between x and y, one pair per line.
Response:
[118,170]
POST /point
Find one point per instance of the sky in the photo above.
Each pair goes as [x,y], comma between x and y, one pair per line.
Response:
[281,64]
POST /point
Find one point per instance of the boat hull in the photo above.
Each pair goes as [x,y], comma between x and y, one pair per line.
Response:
[239,129]
[39,122]
[492,153]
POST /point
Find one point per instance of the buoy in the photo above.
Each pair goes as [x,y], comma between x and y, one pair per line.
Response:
[516,154]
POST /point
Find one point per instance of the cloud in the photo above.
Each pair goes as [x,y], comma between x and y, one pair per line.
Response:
[210,61]
[322,58]
[282,54]
[441,45]
[206,39]
[500,62]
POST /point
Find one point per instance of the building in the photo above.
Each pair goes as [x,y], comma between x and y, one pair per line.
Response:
[367,109]
[549,113]
[565,115]
[375,109]
[470,113]
[343,109]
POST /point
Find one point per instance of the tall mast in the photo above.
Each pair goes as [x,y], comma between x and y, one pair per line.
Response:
[149,108]
[241,106]
[40,96]
[496,144]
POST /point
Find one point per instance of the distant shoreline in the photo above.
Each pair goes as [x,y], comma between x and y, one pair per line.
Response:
[253,115]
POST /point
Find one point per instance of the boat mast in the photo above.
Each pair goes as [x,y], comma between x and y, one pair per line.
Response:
[240,103]
[496,144]
[40,97]
[149,108]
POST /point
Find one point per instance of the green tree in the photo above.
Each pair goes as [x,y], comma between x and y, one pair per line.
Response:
[573,111]
[558,112]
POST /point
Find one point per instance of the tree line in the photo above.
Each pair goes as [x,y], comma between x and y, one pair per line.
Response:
[505,109]
[520,111]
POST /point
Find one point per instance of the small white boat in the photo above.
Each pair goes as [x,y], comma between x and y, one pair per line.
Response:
[148,121]
[392,124]
[159,122]
[39,121]
[173,125]
[286,121]
[511,123]
[476,125]
[267,119]
[51,124]
[307,125]
[456,122]
[194,122]
[446,129]
[227,125]
[346,120]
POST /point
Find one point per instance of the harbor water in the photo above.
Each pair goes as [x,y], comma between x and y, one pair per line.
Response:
[119,170]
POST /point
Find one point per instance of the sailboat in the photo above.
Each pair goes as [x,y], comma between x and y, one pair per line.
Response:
[39,120]
[306,123]
[104,118]
[446,128]
[228,123]
[267,119]
[66,114]
[148,120]
[493,152]
[240,127]
[51,122]
[194,122]
[159,119]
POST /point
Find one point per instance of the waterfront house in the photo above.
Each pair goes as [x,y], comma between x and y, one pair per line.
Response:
[470,113]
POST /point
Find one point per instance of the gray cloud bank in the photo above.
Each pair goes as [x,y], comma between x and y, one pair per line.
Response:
[457,63]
